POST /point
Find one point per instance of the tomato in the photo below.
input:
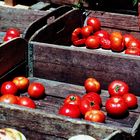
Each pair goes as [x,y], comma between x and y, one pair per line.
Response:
[95,116]
[131,100]
[95,23]
[118,87]
[21,82]
[92,85]
[36,90]
[87,31]
[70,110]
[133,43]
[88,104]
[102,34]
[77,38]
[72,99]
[105,43]
[116,106]
[94,97]
[92,42]
[127,38]
[9,88]
[13,31]
[9,98]
[27,102]
[133,51]
[117,41]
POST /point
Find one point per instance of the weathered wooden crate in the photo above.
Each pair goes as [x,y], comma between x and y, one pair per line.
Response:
[13,58]
[44,122]
[22,14]
[52,52]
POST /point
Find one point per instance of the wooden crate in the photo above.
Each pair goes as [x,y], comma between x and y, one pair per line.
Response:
[52,52]
[22,15]
[13,58]
[44,122]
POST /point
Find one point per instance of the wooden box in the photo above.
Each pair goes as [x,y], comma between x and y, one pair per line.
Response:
[51,52]
[22,14]
[13,58]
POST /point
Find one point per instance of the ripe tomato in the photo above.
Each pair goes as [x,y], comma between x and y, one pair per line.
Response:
[36,90]
[13,31]
[9,98]
[92,42]
[94,97]
[131,100]
[70,110]
[127,38]
[95,116]
[116,106]
[116,34]
[92,85]
[88,104]
[133,51]
[102,34]
[95,23]
[8,37]
[72,99]
[21,82]
[133,43]
[87,31]
[77,38]
[9,88]
[27,102]
[105,43]
[118,87]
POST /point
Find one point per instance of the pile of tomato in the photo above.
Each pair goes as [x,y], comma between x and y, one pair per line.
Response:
[93,37]
[11,92]
[89,106]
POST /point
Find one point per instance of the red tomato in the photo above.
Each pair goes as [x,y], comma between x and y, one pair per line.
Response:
[72,99]
[116,106]
[27,102]
[133,43]
[105,43]
[87,31]
[77,38]
[94,97]
[102,34]
[21,82]
[118,87]
[9,88]
[95,23]
[117,41]
[132,51]
[127,38]
[92,85]
[13,31]
[36,90]
[88,104]
[92,42]
[95,116]
[131,100]
[8,37]
[70,110]
[9,98]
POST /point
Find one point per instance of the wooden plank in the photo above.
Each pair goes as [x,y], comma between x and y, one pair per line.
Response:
[10,2]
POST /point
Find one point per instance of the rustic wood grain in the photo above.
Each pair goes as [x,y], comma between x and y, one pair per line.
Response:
[10,2]
[12,53]
[45,120]
[46,19]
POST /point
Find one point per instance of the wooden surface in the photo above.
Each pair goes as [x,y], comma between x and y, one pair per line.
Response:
[10,2]
[43,21]
[12,53]
[47,124]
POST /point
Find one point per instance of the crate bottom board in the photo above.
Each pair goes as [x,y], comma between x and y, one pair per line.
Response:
[55,94]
